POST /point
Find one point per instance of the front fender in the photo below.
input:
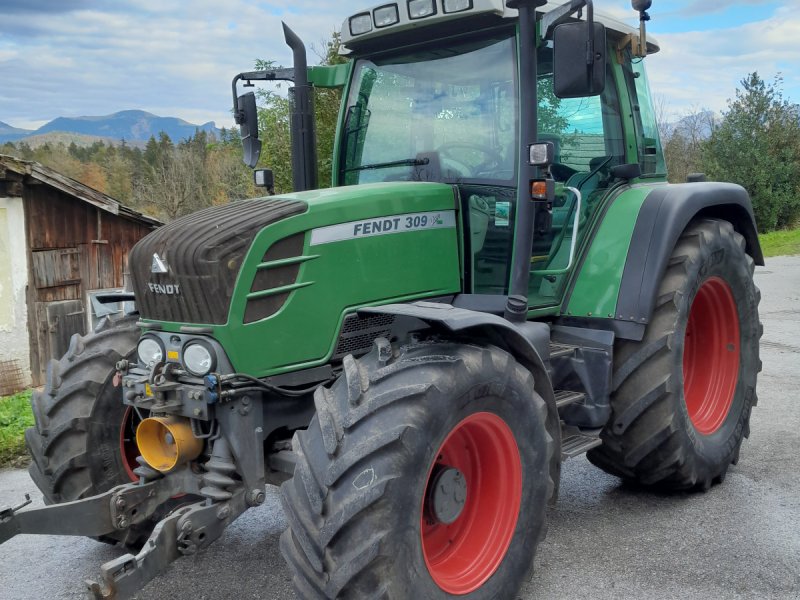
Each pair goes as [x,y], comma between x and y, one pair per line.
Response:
[526,342]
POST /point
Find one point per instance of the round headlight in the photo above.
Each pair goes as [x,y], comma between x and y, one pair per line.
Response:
[150,351]
[198,359]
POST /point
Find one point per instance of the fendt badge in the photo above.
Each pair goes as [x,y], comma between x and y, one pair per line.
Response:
[159,266]
[165,289]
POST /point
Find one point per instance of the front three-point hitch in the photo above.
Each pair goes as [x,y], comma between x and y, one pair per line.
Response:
[184,531]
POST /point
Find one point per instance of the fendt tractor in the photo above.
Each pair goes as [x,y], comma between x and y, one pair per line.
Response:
[500,279]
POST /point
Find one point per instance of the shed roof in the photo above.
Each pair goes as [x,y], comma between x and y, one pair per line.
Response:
[29,170]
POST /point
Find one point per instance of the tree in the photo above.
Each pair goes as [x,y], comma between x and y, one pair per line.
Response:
[684,141]
[757,145]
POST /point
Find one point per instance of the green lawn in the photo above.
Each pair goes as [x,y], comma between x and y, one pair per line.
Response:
[15,418]
[781,243]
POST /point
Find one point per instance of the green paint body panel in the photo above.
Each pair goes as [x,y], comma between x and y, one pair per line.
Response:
[596,289]
[338,277]
[332,76]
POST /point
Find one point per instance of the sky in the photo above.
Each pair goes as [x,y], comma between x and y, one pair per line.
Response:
[177,57]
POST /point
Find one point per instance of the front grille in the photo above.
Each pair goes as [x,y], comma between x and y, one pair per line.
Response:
[358,334]
[204,253]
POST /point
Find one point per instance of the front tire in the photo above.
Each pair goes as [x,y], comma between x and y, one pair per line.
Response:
[424,474]
[83,441]
[683,395]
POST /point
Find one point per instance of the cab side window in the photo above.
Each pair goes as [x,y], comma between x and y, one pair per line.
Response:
[651,156]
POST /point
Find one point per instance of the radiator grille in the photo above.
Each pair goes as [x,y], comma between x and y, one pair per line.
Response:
[358,334]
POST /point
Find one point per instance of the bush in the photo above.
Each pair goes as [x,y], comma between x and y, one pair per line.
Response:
[15,417]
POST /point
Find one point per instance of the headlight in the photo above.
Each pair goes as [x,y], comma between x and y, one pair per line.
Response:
[418,9]
[150,351]
[386,15]
[198,359]
[360,24]
[452,6]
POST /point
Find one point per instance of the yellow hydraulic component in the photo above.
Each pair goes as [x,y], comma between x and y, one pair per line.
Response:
[167,442]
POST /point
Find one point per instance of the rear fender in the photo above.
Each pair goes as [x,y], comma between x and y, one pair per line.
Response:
[664,215]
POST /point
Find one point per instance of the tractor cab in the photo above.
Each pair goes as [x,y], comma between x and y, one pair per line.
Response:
[436,96]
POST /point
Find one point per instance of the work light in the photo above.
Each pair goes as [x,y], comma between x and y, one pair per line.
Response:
[417,9]
[386,15]
[360,24]
[542,154]
[150,351]
[198,358]
[454,6]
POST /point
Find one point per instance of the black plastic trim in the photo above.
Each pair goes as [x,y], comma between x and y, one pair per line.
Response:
[665,214]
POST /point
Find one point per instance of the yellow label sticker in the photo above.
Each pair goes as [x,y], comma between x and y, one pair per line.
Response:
[172,355]
[148,390]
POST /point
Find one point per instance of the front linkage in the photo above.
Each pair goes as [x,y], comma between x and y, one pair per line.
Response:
[230,481]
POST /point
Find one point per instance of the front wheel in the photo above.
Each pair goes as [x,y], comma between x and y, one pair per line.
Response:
[424,474]
[83,442]
[683,395]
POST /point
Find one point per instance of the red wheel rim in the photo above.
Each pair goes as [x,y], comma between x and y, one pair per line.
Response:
[711,356]
[128,449]
[462,556]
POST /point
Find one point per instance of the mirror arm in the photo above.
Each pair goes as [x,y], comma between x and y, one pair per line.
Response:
[559,15]
[276,75]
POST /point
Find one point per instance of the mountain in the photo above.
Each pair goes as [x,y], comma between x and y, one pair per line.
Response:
[9,133]
[129,125]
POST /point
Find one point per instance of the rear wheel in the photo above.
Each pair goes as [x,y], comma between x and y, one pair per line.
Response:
[83,442]
[423,475]
[683,395]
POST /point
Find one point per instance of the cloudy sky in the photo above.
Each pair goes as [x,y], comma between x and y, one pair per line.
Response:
[177,57]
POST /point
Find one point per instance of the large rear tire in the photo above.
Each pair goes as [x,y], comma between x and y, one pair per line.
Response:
[683,395]
[424,474]
[82,443]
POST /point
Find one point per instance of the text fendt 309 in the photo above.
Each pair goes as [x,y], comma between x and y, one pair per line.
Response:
[500,279]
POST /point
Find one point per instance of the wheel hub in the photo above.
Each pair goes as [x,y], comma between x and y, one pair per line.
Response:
[447,495]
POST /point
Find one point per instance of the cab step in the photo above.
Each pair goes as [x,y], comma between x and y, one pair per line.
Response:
[575,441]
[567,397]
[559,350]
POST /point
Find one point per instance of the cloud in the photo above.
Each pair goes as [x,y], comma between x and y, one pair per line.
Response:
[167,56]
[176,58]
[29,7]
[706,7]
[703,69]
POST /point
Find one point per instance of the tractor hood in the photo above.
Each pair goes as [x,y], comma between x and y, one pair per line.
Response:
[280,274]
[186,270]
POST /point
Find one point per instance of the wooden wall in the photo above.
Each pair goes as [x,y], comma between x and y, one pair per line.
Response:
[74,247]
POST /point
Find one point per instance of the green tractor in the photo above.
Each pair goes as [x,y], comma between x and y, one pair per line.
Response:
[500,279]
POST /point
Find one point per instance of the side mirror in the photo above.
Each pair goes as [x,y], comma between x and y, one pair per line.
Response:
[247,117]
[265,178]
[575,73]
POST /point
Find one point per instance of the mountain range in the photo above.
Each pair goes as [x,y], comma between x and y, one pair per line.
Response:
[129,125]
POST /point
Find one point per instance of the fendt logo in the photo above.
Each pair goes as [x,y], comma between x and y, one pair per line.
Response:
[159,266]
[165,289]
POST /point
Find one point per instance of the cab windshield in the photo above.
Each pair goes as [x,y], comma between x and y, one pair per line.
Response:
[445,114]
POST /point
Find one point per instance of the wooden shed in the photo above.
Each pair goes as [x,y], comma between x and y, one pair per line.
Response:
[61,243]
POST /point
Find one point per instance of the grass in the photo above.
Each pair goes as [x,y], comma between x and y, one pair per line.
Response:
[15,418]
[781,243]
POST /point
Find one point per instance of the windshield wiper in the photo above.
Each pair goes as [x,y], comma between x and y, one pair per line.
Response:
[408,162]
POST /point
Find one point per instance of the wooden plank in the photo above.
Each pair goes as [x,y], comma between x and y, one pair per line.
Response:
[64,319]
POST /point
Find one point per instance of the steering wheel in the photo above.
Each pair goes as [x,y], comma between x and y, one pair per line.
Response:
[493,157]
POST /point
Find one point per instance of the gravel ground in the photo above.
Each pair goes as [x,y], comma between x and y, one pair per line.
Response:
[606,540]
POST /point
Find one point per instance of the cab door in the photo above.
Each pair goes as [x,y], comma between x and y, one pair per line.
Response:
[589,141]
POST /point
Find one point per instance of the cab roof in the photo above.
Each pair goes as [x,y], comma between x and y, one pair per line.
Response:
[479,10]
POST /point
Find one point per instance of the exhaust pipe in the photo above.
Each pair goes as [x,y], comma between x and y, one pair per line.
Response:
[167,442]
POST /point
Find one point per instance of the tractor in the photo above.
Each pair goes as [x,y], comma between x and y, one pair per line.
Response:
[501,278]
